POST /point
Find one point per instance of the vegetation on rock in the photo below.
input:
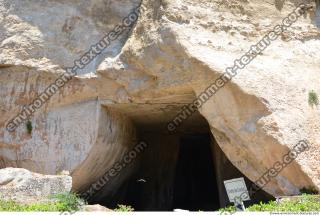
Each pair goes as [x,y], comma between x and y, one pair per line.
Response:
[29,127]
[313,99]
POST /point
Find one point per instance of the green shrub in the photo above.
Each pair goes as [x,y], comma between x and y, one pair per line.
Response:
[61,202]
[228,209]
[69,201]
[124,208]
[301,204]
[313,99]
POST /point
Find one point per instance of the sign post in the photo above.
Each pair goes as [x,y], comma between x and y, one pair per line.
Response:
[237,192]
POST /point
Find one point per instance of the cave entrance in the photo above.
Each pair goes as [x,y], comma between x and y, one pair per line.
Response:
[181,170]
[195,186]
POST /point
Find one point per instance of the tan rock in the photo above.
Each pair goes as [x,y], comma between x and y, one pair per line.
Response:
[96,208]
[24,186]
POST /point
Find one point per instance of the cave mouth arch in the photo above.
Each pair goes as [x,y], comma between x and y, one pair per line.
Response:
[184,170]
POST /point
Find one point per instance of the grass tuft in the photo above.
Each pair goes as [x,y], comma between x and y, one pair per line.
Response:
[124,208]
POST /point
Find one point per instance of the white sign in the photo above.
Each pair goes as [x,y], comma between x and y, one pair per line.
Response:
[237,190]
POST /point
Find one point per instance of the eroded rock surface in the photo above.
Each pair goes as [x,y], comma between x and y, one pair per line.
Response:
[175,50]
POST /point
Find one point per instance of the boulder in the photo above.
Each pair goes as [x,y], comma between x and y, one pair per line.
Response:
[24,186]
[96,208]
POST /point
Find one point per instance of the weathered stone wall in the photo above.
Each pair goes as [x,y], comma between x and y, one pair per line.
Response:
[116,135]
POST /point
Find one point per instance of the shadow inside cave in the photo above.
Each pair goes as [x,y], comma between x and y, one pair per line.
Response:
[184,170]
[195,186]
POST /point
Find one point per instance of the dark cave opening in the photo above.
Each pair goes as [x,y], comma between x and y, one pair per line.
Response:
[189,183]
[195,185]
[184,170]
[179,172]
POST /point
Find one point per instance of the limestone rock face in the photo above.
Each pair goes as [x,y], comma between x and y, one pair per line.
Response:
[24,186]
[141,81]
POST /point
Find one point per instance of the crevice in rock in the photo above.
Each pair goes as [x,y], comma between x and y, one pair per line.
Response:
[318,13]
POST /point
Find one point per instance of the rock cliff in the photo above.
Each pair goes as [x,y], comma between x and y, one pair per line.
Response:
[148,74]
